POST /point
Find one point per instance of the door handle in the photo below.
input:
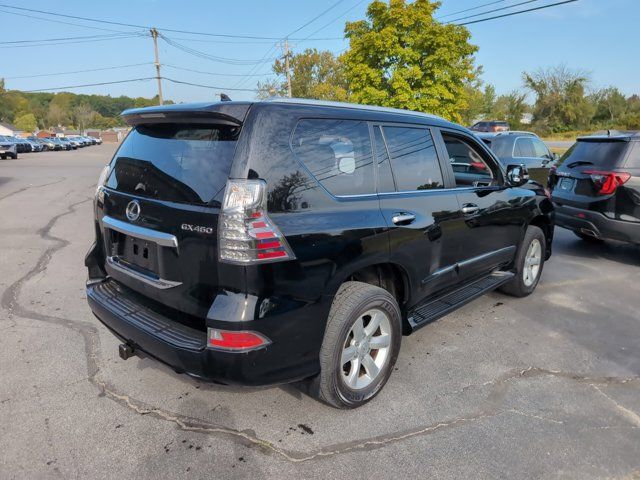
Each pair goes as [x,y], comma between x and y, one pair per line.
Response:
[403,218]
[469,208]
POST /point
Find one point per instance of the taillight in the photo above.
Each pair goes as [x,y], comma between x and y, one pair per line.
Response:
[607,182]
[246,234]
[236,340]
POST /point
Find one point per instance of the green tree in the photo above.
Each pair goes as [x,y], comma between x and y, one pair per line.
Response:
[400,56]
[511,108]
[610,106]
[561,103]
[26,122]
[314,74]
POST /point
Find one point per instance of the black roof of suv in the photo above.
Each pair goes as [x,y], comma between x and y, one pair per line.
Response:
[265,242]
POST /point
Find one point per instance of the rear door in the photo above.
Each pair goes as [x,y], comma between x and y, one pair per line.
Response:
[493,213]
[534,154]
[421,214]
[159,211]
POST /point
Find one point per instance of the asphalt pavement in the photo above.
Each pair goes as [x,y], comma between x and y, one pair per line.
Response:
[542,387]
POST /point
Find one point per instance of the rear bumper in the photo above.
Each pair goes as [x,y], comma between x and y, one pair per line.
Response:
[292,355]
[596,224]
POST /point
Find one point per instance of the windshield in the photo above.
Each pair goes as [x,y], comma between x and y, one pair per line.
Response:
[606,154]
[186,163]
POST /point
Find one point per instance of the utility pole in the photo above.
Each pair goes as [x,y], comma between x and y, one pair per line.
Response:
[154,35]
[286,66]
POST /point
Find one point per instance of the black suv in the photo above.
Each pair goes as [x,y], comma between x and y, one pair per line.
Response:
[267,242]
[522,148]
[596,188]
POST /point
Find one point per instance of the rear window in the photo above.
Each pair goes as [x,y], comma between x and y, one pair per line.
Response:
[337,153]
[599,154]
[175,162]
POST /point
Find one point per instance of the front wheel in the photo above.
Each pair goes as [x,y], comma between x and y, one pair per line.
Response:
[529,263]
[360,345]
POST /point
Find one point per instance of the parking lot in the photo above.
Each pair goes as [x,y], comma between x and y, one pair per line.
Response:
[541,387]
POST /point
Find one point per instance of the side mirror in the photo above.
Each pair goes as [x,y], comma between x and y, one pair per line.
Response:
[517,175]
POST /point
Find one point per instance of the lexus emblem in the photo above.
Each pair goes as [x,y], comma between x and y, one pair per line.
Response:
[133,210]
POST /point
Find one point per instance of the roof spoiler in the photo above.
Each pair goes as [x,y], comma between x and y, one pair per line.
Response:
[224,113]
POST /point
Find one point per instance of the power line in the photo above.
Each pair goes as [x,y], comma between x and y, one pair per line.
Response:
[316,17]
[455,20]
[200,54]
[144,27]
[116,67]
[120,37]
[210,86]
[469,9]
[334,20]
[42,40]
[57,21]
[90,85]
[517,13]
[216,74]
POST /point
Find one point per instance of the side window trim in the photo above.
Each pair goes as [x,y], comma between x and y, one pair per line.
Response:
[374,148]
[481,147]
[432,130]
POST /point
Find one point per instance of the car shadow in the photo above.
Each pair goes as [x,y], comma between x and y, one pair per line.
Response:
[569,244]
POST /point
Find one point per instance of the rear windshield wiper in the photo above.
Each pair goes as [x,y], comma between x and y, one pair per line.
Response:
[579,162]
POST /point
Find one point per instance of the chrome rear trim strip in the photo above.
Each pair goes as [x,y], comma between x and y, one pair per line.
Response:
[161,238]
[157,282]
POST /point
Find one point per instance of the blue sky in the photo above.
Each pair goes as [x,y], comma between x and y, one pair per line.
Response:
[600,37]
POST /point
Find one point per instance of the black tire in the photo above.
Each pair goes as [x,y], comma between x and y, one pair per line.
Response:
[352,301]
[588,238]
[517,287]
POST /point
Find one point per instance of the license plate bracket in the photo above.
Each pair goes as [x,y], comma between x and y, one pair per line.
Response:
[141,253]
[566,184]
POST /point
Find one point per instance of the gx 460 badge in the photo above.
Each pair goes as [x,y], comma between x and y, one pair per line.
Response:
[196,228]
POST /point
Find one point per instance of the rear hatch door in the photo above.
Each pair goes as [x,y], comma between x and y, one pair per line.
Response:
[573,181]
[160,211]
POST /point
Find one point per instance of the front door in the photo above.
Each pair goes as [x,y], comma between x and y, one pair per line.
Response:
[493,213]
[422,216]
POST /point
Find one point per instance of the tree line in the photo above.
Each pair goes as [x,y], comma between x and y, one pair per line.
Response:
[42,110]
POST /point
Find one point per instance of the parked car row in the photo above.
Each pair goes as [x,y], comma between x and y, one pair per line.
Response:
[10,146]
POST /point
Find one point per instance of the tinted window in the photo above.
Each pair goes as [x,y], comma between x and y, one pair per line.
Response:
[524,147]
[501,146]
[337,153]
[413,158]
[174,162]
[385,176]
[541,150]
[469,166]
[634,156]
[601,154]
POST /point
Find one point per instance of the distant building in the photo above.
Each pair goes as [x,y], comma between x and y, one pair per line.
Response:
[10,130]
[527,119]
[45,134]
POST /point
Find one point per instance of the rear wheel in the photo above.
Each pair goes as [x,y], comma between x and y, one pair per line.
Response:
[588,238]
[529,263]
[360,345]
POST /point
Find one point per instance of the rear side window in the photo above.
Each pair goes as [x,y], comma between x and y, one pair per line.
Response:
[500,146]
[634,156]
[174,162]
[600,154]
[413,158]
[337,153]
[524,147]
[540,148]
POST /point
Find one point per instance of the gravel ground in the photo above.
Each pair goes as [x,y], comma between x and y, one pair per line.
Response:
[542,387]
